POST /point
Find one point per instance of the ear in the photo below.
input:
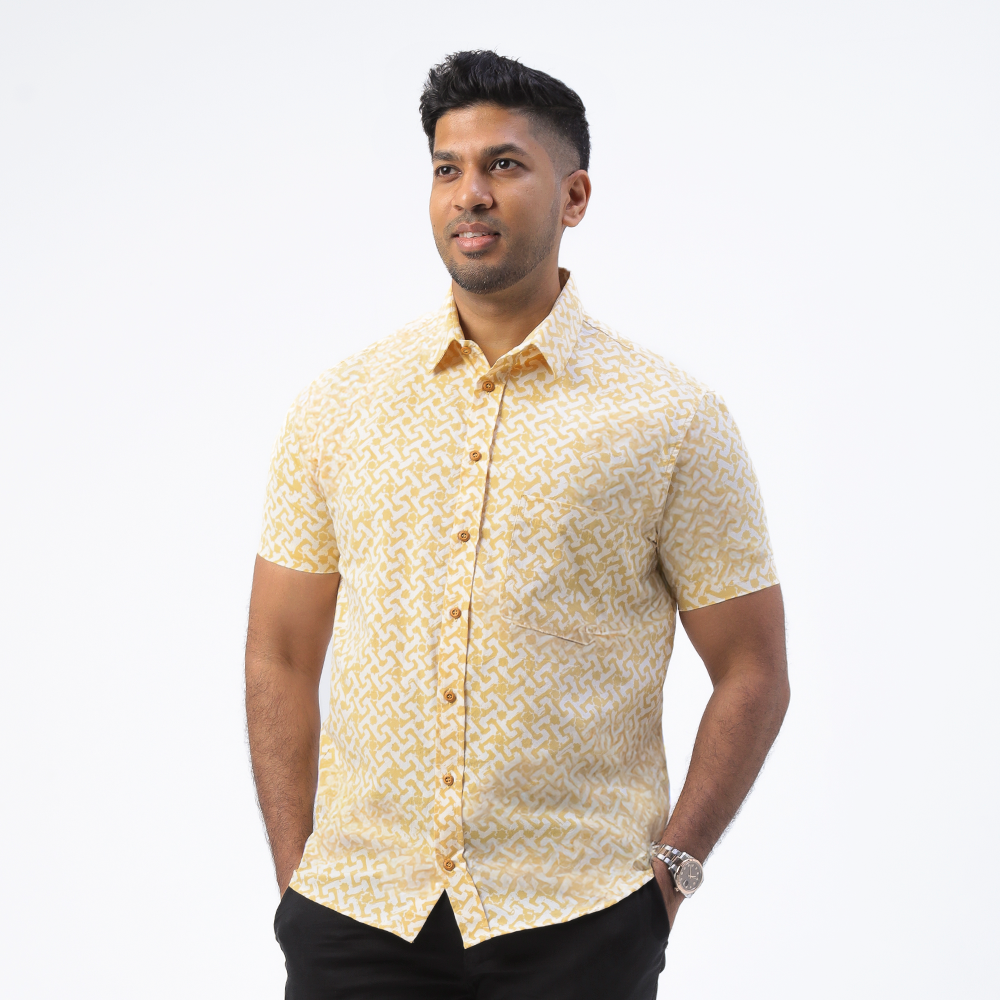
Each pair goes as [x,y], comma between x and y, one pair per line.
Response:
[576,197]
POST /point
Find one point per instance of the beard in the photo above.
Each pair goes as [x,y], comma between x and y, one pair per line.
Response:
[473,274]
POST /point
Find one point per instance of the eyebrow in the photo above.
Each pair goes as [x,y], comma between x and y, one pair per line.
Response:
[447,156]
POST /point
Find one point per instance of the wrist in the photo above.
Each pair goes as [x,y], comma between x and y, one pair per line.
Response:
[285,865]
[685,871]
[686,842]
[663,876]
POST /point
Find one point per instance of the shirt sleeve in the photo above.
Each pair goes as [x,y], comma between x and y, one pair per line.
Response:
[713,541]
[298,530]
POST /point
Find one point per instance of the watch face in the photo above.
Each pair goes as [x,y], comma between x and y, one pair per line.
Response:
[689,876]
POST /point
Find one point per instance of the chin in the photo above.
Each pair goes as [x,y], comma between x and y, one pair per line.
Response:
[482,280]
[473,255]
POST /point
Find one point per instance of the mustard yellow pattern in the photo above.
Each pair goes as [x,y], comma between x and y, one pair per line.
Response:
[513,543]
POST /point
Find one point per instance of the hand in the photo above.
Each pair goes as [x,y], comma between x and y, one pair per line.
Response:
[672,897]
[285,871]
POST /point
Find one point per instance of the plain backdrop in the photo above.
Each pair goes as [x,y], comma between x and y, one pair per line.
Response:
[204,205]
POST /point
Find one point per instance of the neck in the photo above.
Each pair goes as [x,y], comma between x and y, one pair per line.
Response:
[499,321]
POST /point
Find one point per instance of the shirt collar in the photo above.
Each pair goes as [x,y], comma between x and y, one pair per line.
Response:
[554,338]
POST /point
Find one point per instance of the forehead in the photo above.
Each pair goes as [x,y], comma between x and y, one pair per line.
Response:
[468,130]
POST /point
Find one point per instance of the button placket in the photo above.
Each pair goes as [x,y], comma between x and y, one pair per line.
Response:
[453,651]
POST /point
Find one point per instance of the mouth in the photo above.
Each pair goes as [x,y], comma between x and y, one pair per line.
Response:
[470,237]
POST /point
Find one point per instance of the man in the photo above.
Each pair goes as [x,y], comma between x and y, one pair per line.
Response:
[503,505]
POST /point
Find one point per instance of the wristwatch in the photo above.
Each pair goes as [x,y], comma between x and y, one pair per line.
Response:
[686,872]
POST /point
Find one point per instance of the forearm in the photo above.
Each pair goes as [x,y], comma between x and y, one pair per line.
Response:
[739,725]
[283,725]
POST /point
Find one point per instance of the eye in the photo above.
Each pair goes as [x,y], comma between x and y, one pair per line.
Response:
[504,164]
[444,170]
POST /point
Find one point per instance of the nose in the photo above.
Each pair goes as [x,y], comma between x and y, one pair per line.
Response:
[473,192]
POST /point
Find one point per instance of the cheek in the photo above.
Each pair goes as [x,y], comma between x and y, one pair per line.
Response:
[533,211]
[438,208]
[439,218]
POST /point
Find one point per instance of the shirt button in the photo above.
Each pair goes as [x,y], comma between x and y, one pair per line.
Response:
[466,350]
[450,696]
[449,780]
[464,536]
[455,612]
[448,866]
[475,456]
[488,386]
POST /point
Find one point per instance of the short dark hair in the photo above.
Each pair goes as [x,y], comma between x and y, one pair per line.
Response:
[483,77]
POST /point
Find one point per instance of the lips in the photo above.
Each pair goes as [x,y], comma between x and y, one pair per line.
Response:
[473,236]
[475,227]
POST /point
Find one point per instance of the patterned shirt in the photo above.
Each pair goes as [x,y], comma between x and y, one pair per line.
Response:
[513,543]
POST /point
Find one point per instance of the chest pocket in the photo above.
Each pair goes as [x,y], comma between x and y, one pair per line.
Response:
[566,574]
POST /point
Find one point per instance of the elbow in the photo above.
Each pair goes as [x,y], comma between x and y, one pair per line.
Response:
[770,692]
[781,696]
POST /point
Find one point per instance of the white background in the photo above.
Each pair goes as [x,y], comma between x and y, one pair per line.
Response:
[203,205]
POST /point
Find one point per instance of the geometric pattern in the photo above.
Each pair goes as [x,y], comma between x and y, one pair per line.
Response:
[513,542]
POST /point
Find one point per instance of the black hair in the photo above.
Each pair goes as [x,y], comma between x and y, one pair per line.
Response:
[483,77]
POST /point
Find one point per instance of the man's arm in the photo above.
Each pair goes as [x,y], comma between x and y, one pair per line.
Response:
[291,621]
[742,643]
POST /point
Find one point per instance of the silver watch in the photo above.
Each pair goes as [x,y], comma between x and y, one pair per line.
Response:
[686,872]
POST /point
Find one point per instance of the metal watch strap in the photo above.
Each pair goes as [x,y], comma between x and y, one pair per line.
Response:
[686,871]
[670,856]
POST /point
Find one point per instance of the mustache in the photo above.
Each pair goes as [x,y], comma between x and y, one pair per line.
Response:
[468,220]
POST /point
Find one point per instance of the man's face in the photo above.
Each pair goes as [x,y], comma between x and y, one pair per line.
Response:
[496,197]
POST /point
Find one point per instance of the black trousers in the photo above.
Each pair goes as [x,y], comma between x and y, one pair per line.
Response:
[613,954]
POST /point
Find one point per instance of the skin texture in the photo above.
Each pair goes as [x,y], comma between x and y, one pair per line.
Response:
[291,622]
[742,644]
[496,168]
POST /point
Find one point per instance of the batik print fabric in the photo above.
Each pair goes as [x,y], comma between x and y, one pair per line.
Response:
[513,543]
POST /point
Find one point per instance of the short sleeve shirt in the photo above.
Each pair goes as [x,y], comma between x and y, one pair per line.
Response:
[513,543]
